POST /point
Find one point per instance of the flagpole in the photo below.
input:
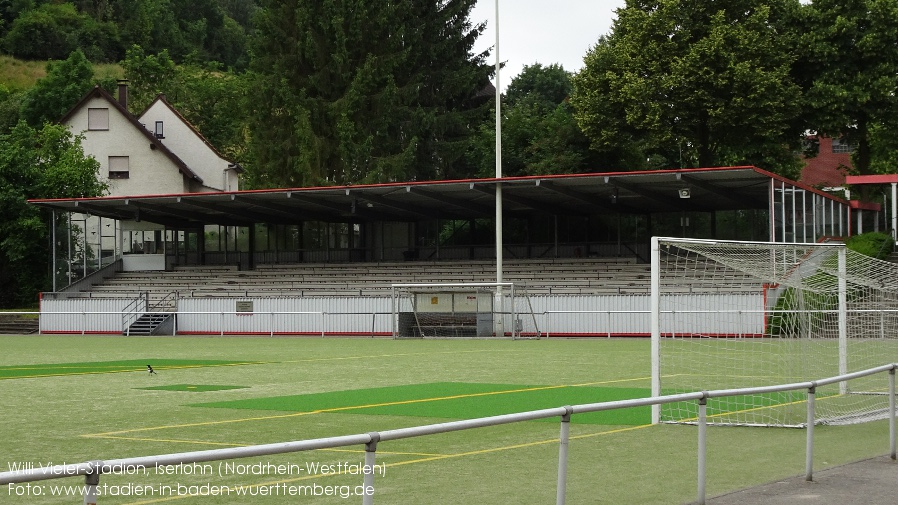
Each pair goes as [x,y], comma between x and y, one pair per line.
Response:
[500,331]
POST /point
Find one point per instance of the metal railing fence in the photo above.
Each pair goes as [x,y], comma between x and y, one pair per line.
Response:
[92,470]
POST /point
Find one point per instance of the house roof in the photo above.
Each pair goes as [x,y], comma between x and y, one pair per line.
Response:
[710,189]
[99,92]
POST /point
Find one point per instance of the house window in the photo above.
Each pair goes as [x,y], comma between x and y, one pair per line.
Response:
[97,119]
[840,146]
[119,167]
[159,134]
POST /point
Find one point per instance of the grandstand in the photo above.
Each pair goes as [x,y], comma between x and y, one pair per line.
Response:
[574,242]
[545,277]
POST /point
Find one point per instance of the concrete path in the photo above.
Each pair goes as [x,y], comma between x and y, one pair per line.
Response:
[868,482]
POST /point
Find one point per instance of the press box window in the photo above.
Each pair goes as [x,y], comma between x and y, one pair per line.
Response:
[119,167]
[97,119]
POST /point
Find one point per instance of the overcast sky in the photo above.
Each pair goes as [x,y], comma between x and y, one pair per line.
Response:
[543,31]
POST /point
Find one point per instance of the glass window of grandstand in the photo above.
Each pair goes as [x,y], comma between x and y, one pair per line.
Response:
[141,241]
[97,119]
[277,243]
[119,167]
[804,216]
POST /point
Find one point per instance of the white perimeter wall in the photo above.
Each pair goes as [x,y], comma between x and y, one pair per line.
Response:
[556,315]
[84,315]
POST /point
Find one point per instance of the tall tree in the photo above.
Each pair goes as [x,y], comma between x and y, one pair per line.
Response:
[51,97]
[47,162]
[351,91]
[694,83]
[850,62]
[539,133]
[208,97]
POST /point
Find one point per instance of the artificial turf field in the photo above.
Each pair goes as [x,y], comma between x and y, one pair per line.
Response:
[80,398]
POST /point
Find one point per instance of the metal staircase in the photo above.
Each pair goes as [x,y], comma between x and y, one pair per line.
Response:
[150,324]
[139,318]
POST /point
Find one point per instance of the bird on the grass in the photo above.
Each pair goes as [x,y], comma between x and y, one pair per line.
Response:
[150,369]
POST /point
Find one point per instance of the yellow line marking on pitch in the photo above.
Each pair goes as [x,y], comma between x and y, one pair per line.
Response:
[228,444]
[357,407]
[403,463]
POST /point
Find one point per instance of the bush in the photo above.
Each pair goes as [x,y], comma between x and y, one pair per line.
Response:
[876,244]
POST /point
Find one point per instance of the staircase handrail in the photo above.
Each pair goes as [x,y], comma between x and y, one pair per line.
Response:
[172,295]
[133,311]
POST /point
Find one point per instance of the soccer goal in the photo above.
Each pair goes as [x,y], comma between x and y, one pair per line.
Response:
[444,310]
[729,314]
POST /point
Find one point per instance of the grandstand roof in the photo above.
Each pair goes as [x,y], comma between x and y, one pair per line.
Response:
[580,194]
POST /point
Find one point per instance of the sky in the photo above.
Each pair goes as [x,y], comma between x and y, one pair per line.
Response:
[543,31]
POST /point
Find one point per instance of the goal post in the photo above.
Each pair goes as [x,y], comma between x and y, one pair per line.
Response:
[731,314]
[446,310]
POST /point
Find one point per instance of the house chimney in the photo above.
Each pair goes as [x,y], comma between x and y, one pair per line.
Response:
[123,93]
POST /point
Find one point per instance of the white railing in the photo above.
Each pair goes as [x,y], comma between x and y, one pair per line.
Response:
[92,470]
[97,315]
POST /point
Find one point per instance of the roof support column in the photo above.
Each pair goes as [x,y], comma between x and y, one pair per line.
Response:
[53,248]
[895,211]
[251,261]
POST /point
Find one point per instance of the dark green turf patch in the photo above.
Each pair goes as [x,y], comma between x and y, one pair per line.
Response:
[96,367]
[455,400]
[193,388]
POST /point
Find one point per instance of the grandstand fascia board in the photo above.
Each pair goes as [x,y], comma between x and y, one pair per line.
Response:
[523,194]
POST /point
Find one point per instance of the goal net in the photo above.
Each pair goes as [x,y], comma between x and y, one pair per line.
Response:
[441,310]
[731,315]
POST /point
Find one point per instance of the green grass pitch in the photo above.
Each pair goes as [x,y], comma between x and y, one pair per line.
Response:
[81,398]
[192,388]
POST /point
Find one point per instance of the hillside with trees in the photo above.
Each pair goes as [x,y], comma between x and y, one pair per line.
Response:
[317,92]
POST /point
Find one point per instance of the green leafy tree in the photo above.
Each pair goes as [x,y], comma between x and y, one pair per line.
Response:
[10,103]
[209,98]
[36,163]
[53,30]
[364,91]
[66,82]
[539,133]
[148,75]
[685,83]
[551,84]
[850,59]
